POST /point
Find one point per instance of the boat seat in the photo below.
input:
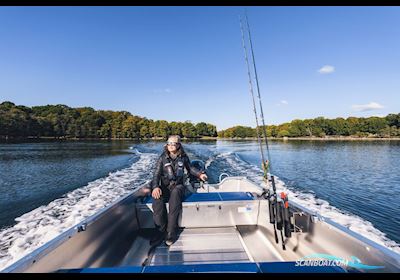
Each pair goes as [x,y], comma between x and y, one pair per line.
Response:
[212,196]
[219,209]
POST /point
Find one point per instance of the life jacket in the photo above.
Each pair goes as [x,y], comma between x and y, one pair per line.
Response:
[175,169]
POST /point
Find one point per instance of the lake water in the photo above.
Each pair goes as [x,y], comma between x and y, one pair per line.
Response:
[48,187]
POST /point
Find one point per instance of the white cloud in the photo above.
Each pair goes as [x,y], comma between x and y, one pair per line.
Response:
[282,103]
[165,90]
[367,107]
[326,69]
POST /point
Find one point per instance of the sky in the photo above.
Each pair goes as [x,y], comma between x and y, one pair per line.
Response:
[187,63]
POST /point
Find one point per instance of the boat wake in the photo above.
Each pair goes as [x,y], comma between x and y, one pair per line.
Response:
[35,228]
[310,201]
[42,224]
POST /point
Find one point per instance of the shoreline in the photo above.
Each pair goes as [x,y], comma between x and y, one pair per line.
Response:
[206,138]
[319,138]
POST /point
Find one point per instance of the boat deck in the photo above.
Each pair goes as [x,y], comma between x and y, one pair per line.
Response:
[203,245]
[220,249]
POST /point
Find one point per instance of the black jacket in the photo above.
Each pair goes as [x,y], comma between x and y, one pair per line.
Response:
[160,177]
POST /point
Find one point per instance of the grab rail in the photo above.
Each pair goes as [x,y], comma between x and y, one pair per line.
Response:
[220,176]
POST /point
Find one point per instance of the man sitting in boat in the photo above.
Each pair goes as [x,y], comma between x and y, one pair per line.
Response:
[168,186]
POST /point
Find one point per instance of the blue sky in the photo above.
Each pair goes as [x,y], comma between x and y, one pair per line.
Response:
[186,63]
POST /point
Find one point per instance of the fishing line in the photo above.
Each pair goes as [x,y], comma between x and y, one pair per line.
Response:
[251,88]
[275,205]
[264,129]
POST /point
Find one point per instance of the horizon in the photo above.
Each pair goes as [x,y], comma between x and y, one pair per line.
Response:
[312,61]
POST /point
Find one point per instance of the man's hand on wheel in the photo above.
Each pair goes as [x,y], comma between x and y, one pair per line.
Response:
[203,177]
[156,194]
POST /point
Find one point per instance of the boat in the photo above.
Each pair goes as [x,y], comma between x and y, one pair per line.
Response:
[234,225]
[224,227]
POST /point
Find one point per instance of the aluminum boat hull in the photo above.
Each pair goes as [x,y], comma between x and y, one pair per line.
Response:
[230,234]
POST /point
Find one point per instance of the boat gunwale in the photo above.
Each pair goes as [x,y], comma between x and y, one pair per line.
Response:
[336,225]
[69,233]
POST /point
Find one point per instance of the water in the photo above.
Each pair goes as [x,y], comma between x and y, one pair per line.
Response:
[49,187]
[35,174]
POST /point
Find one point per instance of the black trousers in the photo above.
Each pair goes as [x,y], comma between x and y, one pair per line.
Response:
[174,196]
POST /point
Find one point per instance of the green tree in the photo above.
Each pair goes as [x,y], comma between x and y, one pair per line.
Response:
[354,125]
[201,129]
[105,130]
[393,120]
[130,127]
[375,124]
[144,128]
[283,133]
[297,128]
[118,118]
[162,129]
[189,130]
[211,130]
[176,128]
[63,121]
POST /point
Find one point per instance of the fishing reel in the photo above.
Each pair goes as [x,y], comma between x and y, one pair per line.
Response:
[279,214]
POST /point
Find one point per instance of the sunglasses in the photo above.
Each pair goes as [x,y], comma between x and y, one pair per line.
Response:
[172,144]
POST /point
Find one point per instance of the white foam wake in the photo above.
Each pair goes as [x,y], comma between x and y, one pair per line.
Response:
[308,200]
[208,162]
[42,224]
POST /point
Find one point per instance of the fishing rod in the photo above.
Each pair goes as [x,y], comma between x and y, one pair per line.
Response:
[278,207]
[268,164]
[273,199]
[251,88]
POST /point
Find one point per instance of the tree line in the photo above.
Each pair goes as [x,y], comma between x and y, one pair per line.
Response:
[388,126]
[61,121]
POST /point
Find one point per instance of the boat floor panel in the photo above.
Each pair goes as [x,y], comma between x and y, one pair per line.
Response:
[202,245]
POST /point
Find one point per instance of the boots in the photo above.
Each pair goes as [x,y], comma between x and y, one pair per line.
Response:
[158,238]
[171,238]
